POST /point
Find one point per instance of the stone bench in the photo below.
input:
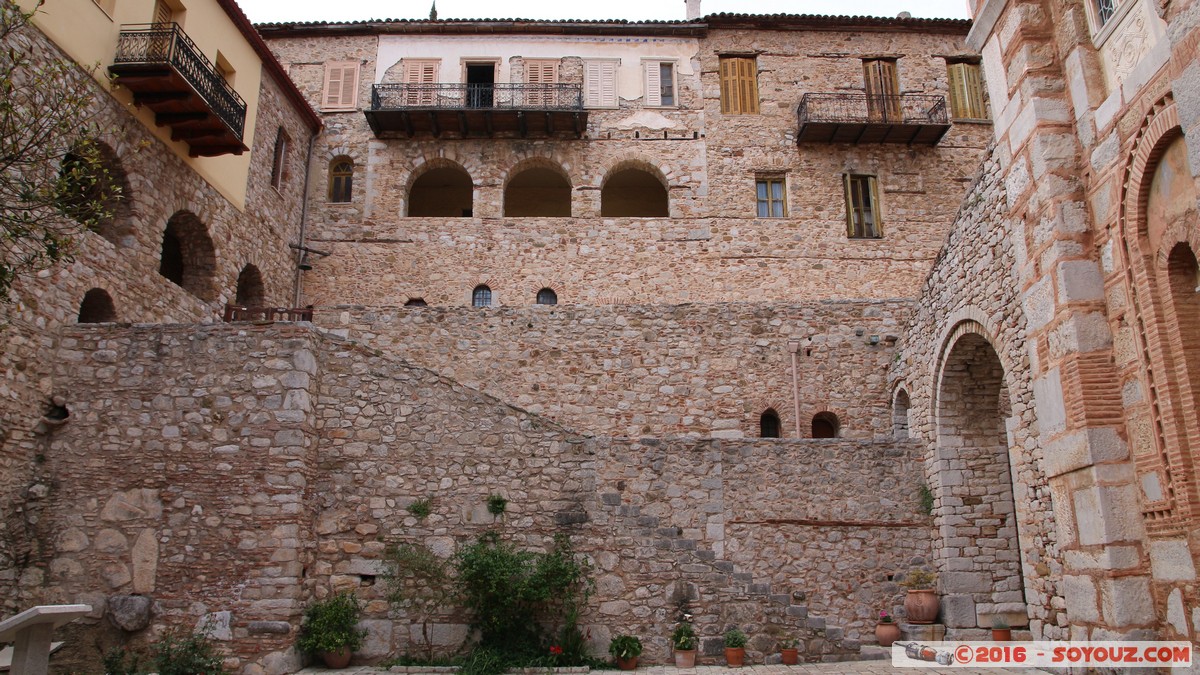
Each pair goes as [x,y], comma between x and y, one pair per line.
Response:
[30,632]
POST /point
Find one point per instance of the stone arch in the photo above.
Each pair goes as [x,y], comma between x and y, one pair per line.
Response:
[97,307]
[188,258]
[440,188]
[975,505]
[901,406]
[826,424]
[99,190]
[770,425]
[251,291]
[634,188]
[537,187]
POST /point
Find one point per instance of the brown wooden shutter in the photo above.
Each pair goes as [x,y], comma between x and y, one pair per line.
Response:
[540,73]
[162,12]
[739,85]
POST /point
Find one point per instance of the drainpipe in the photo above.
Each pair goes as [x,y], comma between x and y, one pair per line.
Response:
[312,141]
[794,347]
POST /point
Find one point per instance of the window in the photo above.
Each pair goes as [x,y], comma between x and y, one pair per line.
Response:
[341,181]
[883,89]
[547,296]
[540,78]
[966,91]
[768,424]
[772,202]
[600,84]
[163,12]
[424,75]
[660,84]
[416,302]
[278,164]
[481,296]
[251,291]
[862,207]
[1104,11]
[825,425]
[341,86]
[739,85]
[225,69]
[97,307]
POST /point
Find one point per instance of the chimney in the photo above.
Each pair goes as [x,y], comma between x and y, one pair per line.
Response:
[693,9]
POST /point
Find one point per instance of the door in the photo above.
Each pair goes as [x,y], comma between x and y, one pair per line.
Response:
[883,90]
[481,81]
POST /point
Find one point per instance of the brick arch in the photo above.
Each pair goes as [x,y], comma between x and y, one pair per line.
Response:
[250,291]
[528,161]
[1159,129]
[96,186]
[493,285]
[636,162]
[973,491]
[756,409]
[334,152]
[538,283]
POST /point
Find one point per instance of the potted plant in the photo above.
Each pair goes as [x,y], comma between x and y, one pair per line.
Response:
[1001,632]
[887,630]
[921,603]
[735,647]
[788,653]
[625,649]
[330,629]
[684,641]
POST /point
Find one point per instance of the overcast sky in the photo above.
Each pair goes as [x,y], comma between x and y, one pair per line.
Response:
[262,11]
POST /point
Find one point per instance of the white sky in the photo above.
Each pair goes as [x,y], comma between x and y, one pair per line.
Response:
[262,11]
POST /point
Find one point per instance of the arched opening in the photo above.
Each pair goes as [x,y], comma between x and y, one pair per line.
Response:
[538,193]
[250,289]
[481,296]
[825,425]
[633,193]
[416,302]
[93,189]
[444,192]
[977,516]
[1184,275]
[97,307]
[188,259]
[768,424]
[900,408]
[341,180]
[547,296]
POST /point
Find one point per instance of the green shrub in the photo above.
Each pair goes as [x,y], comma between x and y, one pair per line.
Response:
[625,646]
[735,638]
[421,508]
[120,661]
[177,653]
[421,583]
[925,496]
[496,504]
[684,638]
[331,624]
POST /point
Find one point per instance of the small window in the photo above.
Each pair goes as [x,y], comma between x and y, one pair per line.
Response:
[547,296]
[341,181]
[225,69]
[97,307]
[279,163]
[862,207]
[739,85]
[416,302]
[772,202]
[481,296]
[966,91]
[341,86]
[768,425]
[825,425]
[660,83]
[600,84]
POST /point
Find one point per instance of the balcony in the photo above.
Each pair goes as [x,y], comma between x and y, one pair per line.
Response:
[912,119]
[477,110]
[168,74]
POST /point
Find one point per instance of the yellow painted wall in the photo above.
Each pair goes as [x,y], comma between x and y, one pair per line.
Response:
[89,36]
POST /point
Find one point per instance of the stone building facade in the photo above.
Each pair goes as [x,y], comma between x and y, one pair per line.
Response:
[721,318]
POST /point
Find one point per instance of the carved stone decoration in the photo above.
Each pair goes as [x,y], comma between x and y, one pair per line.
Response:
[1126,46]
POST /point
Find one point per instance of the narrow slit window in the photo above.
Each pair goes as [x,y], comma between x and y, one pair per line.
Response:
[341,181]
[862,207]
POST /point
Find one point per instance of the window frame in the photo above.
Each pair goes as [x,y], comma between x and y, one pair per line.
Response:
[484,292]
[336,72]
[739,90]
[279,159]
[553,296]
[967,92]
[334,175]
[653,90]
[770,180]
[876,209]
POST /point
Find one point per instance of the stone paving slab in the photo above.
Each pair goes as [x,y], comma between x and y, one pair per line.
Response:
[841,668]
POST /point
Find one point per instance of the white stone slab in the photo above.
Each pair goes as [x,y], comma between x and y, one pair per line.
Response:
[57,615]
[6,655]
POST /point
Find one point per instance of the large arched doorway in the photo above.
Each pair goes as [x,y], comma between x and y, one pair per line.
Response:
[442,192]
[975,506]
[633,193]
[538,192]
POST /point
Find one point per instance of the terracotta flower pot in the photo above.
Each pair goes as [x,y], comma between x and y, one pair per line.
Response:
[887,633]
[1001,634]
[685,658]
[921,605]
[789,657]
[627,664]
[735,656]
[338,659]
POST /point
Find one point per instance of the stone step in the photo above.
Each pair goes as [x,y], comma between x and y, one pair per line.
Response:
[874,653]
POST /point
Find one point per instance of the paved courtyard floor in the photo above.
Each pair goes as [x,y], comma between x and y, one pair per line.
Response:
[843,668]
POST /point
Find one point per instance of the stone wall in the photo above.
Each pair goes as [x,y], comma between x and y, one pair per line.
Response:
[235,471]
[125,264]
[708,370]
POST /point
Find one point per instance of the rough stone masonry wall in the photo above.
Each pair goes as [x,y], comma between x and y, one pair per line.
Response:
[234,471]
[975,280]
[711,249]
[160,184]
[634,370]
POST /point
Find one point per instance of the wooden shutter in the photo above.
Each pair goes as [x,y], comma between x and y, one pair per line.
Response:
[420,73]
[739,85]
[162,12]
[883,89]
[537,74]
[341,86]
[966,91]
[653,83]
[600,84]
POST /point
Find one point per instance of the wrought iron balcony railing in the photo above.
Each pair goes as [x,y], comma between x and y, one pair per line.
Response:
[446,96]
[886,108]
[247,313]
[167,44]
